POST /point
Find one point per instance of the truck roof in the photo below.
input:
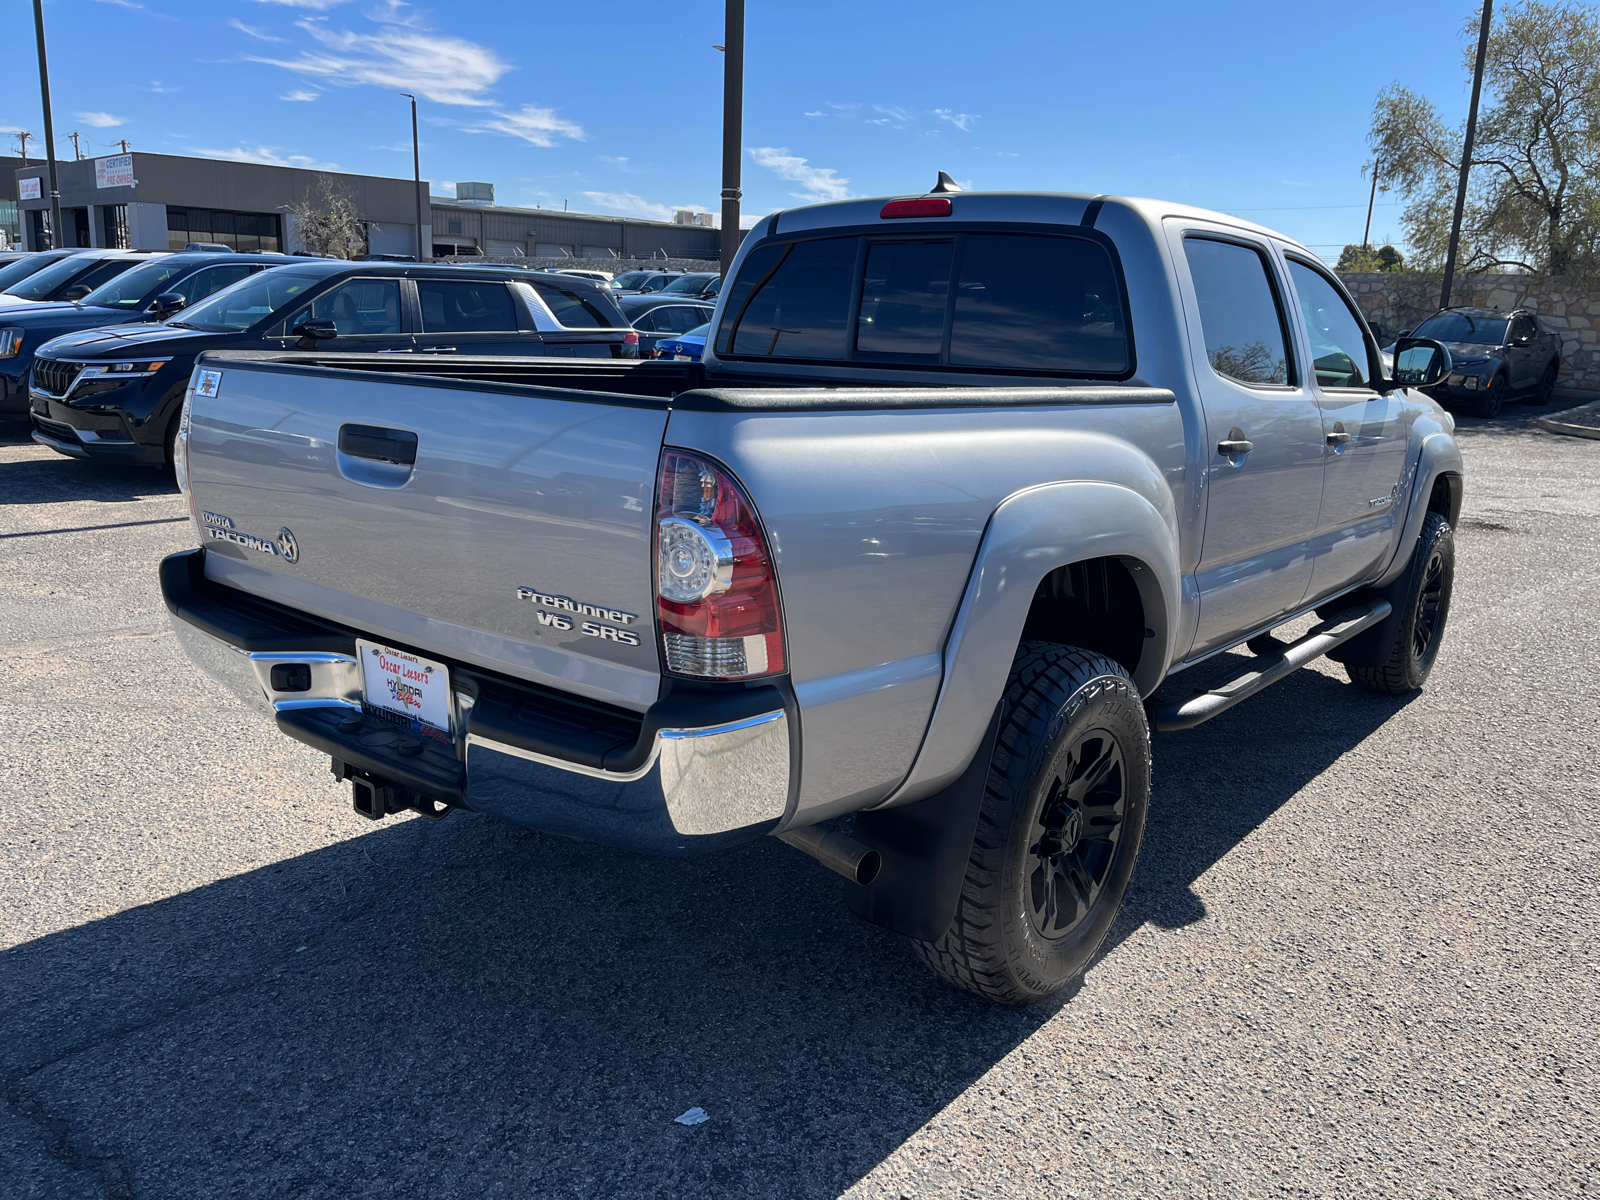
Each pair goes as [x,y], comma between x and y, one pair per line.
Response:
[1050,208]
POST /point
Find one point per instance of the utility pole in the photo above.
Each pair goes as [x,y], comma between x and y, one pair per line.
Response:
[732,128]
[23,138]
[123,142]
[77,155]
[1466,156]
[1366,234]
[49,127]
[416,176]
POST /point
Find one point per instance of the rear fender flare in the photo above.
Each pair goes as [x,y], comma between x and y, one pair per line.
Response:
[1030,534]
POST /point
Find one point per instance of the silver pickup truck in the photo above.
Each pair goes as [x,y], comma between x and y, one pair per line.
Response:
[961,480]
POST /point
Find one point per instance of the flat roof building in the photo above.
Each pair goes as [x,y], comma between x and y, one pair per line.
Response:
[147,201]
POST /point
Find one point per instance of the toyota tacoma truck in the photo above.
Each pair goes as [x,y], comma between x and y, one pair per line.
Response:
[915,543]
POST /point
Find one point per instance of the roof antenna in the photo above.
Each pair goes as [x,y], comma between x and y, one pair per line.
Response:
[945,186]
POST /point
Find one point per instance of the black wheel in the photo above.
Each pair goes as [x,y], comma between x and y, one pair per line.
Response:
[1546,391]
[1492,399]
[1423,601]
[1062,818]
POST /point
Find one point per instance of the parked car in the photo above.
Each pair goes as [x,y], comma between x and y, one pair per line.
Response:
[72,276]
[657,315]
[686,347]
[152,288]
[582,273]
[640,282]
[702,285]
[114,393]
[918,540]
[20,266]
[1495,355]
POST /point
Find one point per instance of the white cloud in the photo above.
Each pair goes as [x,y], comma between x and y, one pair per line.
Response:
[303,95]
[259,35]
[269,156]
[627,202]
[815,114]
[962,121]
[445,70]
[100,120]
[124,4]
[314,5]
[534,125]
[820,183]
[155,85]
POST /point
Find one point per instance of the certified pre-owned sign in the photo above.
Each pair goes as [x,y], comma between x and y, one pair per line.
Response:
[115,171]
[28,189]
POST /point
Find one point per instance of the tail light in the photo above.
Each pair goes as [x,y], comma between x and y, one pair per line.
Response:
[717,592]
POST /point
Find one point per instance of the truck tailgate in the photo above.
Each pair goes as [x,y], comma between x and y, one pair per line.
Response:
[519,539]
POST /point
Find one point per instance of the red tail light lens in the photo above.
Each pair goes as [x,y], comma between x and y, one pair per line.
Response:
[926,206]
[717,592]
[631,338]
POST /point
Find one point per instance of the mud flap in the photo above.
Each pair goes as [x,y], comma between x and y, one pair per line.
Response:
[925,848]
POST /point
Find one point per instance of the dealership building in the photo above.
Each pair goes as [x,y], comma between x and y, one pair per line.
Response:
[163,201]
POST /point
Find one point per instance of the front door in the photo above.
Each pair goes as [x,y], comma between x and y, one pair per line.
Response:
[367,313]
[1264,443]
[1367,435]
[1521,353]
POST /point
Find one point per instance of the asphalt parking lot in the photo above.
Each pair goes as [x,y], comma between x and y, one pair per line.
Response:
[1359,957]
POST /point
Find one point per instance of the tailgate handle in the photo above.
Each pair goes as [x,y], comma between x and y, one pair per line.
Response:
[376,442]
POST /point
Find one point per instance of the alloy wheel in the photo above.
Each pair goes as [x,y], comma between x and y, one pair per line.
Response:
[1079,828]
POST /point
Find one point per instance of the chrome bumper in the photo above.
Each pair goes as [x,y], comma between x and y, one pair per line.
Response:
[698,787]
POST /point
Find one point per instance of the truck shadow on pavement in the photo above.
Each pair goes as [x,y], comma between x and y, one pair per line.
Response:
[471,1009]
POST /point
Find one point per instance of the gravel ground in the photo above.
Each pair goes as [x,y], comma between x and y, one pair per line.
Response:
[1359,957]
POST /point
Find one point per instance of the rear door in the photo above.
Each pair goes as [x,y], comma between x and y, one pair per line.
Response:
[1263,429]
[1522,353]
[472,316]
[517,537]
[1367,434]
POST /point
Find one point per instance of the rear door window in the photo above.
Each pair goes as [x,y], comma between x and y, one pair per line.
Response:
[570,307]
[466,306]
[1244,330]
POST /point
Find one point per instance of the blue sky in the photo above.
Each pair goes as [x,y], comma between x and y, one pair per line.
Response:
[1254,108]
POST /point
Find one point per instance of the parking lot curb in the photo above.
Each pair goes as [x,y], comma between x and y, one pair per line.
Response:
[1556,425]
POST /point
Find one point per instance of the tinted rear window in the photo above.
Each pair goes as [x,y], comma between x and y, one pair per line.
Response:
[969,300]
[573,309]
[462,306]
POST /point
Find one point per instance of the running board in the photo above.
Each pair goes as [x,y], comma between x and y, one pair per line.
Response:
[1273,661]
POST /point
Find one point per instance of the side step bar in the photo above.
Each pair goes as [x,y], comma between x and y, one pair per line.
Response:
[1273,661]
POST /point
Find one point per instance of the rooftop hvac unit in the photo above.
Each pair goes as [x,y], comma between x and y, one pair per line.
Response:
[687,216]
[475,193]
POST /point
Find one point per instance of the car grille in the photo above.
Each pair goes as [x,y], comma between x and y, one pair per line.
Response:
[55,429]
[54,378]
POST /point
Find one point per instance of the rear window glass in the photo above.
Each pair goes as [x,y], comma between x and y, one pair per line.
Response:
[572,308]
[971,300]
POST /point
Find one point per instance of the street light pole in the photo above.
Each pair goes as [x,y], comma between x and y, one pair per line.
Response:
[416,174]
[1366,234]
[732,128]
[49,127]
[1466,156]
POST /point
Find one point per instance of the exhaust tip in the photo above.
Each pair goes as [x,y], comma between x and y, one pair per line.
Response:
[868,867]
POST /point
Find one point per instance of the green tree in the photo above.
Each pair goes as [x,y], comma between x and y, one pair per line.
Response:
[1356,260]
[1534,199]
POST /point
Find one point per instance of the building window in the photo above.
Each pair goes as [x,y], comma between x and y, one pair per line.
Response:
[116,227]
[244,232]
[455,227]
[11,222]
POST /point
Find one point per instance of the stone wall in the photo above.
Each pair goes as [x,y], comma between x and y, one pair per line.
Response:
[1401,299]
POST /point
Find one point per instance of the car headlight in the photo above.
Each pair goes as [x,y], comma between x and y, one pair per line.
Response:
[10,342]
[147,367]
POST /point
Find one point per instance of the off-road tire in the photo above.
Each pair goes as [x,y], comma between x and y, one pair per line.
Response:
[1492,399]
[1423,600]
[1546,391]
[1066,710]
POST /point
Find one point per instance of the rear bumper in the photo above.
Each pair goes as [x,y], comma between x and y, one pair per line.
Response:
[702,768]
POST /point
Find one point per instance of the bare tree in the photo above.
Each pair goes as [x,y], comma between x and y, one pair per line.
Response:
[1534,201]
[329,223]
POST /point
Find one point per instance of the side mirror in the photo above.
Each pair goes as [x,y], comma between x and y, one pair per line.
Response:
[1418,363]
[76,292]
[313,331]
[167,303]
[1403,332]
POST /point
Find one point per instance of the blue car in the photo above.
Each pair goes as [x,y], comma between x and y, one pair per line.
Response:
[686,345]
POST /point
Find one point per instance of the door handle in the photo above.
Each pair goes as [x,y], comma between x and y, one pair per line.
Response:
[1234,447]
[398,446]
[438,350]
[1338,437]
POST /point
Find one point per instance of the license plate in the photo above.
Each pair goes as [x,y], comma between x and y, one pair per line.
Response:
[407,686]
